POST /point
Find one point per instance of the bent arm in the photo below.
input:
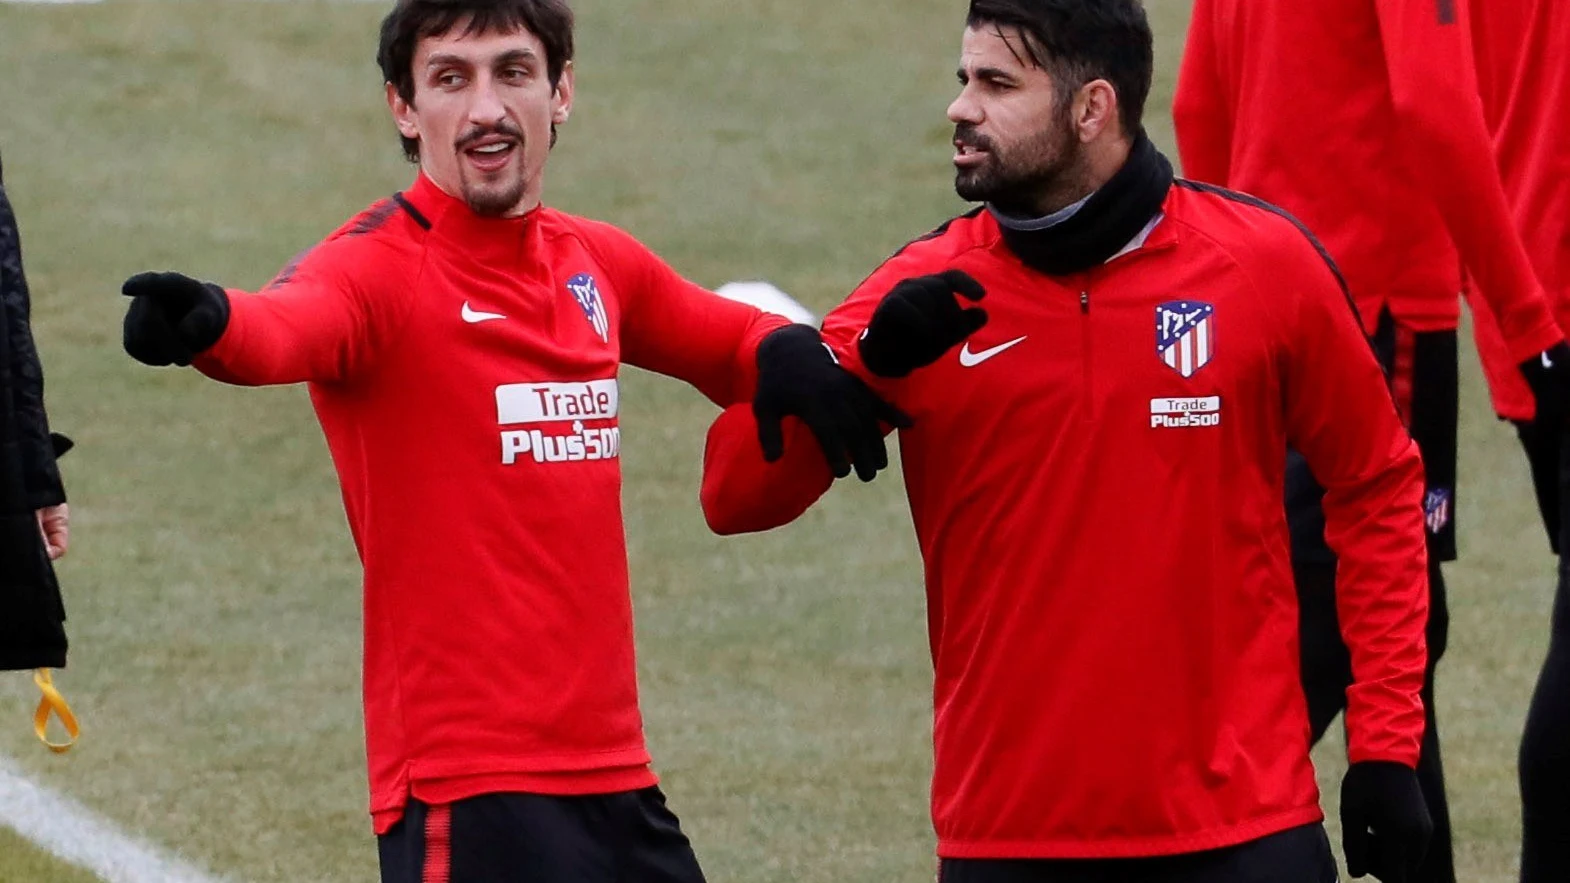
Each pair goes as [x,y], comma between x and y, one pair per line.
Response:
[675,327]
[682,330]
[42,485]
[1341,417]
[743,494]
[1201,113]
[1433,84]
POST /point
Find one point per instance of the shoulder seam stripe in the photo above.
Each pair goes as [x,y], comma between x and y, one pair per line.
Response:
[1256,202]
[934,233]
[413,212]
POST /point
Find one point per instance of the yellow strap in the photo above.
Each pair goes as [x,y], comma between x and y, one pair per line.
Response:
[53,702]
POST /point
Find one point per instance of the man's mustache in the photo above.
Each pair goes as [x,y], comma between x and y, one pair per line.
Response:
[969,137]
[473,135]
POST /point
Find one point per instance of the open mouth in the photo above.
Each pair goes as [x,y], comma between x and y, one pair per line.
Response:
[491,154]
[967,155]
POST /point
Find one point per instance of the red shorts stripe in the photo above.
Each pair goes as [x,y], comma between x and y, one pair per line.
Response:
[1402,370]
[438,844]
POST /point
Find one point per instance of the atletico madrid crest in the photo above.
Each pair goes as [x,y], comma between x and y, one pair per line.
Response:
[1436,509]
[587,294]
[1185,335]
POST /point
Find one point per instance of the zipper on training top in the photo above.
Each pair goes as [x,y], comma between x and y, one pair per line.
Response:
[1084,324]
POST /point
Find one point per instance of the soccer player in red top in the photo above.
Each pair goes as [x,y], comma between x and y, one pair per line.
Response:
[1095,476]
[1362,118]
[1523,56]
[462,343]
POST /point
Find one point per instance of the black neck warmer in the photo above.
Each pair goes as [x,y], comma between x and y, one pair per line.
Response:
[1107,222]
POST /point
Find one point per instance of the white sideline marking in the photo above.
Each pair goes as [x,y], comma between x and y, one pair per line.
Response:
[76,834]
[769,299]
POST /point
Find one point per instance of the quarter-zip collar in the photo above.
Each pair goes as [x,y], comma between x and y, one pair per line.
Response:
[484,238]
[1109,222]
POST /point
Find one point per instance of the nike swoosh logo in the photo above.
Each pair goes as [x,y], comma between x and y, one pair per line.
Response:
[971,360]
[473,316]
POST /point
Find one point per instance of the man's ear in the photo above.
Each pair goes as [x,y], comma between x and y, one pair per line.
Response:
[561,100]
[402,113]
[1095,110]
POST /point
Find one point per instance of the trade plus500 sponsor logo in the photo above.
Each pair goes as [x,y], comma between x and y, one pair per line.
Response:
[1184,413]
[577,405]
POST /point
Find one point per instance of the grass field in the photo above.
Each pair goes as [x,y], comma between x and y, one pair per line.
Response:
[212,588]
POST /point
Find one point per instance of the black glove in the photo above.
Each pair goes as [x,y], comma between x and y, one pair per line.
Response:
[1548,373]
[172,318]
[920,320]
[798,376]
[1384,821]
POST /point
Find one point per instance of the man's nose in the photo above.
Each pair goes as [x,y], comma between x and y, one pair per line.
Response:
[485,106]
[963,109]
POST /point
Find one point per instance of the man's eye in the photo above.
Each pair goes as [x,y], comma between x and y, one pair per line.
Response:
[449,80]
[515,73]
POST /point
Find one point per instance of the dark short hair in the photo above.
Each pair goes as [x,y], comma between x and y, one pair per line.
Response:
[1077,41]
[413,20]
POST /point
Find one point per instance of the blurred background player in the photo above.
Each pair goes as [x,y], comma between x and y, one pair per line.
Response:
[34,516]
[1362,119]
[1523,62]
[462,344]
[1095,480]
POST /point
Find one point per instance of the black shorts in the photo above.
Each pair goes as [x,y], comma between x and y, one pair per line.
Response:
[1423,373]
[628,837]
[1297,855]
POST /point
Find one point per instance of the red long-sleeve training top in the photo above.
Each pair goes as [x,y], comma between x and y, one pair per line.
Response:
[1362,118]
[1523,55]
[1095,479]
[464,370]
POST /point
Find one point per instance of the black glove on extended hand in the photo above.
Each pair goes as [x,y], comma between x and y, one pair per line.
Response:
[798,376]
[172,318]
[1549,376]
[1384,821]
[920,320]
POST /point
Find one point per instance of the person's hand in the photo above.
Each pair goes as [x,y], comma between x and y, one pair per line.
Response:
[1385,824]
[54,522]
[798,376]
[1548,373]
[172,318]
[918,321]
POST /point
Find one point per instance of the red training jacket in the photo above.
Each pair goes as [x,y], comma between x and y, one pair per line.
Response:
[1362,118]
[1523,52]
[1096,480]
[464,370]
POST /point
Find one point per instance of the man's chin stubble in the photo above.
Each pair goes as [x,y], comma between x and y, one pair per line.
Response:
[493,203]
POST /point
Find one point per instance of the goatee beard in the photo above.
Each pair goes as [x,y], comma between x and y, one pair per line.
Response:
[493,202]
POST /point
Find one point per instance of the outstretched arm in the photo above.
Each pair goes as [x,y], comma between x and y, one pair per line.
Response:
[321,320]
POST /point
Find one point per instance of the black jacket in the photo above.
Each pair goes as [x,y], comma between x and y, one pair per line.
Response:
[32,616]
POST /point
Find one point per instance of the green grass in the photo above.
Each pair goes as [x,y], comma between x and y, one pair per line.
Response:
[21,862]
[213,592]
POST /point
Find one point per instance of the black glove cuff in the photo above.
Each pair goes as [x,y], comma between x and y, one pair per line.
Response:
[208,319]
[790,344]
[881,360]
